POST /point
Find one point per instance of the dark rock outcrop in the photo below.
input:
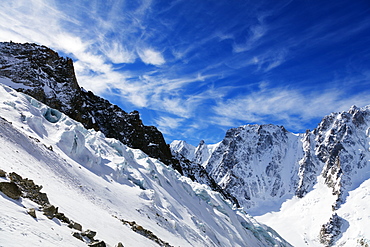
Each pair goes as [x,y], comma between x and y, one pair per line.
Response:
[41,73]
[330,231]
[30,189]
[98,244]
[77,235]
[49,210]
[75,226]
[198,173]
[145,232]
[89,234]
[2,174]
[11,190]
[32,212]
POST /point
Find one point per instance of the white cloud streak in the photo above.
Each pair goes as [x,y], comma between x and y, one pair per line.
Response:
[117,53]
[150,56]
[290,107]
[109,39]
[167,124]
[89,44]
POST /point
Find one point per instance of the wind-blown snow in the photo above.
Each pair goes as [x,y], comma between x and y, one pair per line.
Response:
[96,181]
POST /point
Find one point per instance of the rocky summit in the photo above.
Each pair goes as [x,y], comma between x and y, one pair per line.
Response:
[41,73]
[263,166]
[320,177]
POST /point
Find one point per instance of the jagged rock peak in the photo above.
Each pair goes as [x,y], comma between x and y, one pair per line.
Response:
[260,164]
[41,73]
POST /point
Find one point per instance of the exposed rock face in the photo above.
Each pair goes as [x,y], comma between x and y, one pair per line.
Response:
[331,231]
[43,74]
[198,173]
[259,164]
[255,162]
[342,141]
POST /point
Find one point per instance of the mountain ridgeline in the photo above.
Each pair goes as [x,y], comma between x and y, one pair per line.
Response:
[264,165]
[257,167]
[44,75]
[41,73]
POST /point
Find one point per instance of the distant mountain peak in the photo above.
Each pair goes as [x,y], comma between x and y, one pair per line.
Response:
[263,166]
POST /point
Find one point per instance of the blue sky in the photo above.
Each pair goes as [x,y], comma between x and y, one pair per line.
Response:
[197,68]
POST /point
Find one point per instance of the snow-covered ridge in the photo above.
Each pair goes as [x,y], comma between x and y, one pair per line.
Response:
[44,75]
[268,168]
[99,182]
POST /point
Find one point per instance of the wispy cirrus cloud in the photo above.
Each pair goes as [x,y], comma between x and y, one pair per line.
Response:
[87,37]
[117,53]
[194,65]
[256,33]
[292,108]
[150,56]
[167,125]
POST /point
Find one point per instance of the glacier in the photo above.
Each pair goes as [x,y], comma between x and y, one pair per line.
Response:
[106,187]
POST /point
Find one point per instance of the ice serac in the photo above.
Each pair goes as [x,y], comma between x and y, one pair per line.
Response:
[79,188]
[41,73]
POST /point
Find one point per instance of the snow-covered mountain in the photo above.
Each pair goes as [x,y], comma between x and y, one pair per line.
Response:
[72,187]
[66,177]
[41,73]
[266,168]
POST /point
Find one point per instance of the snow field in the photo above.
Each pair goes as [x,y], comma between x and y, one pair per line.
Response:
[96,181]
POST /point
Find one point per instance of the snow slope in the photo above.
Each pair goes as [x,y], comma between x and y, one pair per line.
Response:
[101,183]
[299,220]
[313,188]
[199,154]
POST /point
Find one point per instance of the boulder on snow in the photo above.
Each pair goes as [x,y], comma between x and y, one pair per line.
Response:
[11,190]
[75,225]
[89,234]
[330,231]
[119,245]
[77,235]
[30,189]
[32,212]
[50,210]
[62,217]
[98,244]
[2,173]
